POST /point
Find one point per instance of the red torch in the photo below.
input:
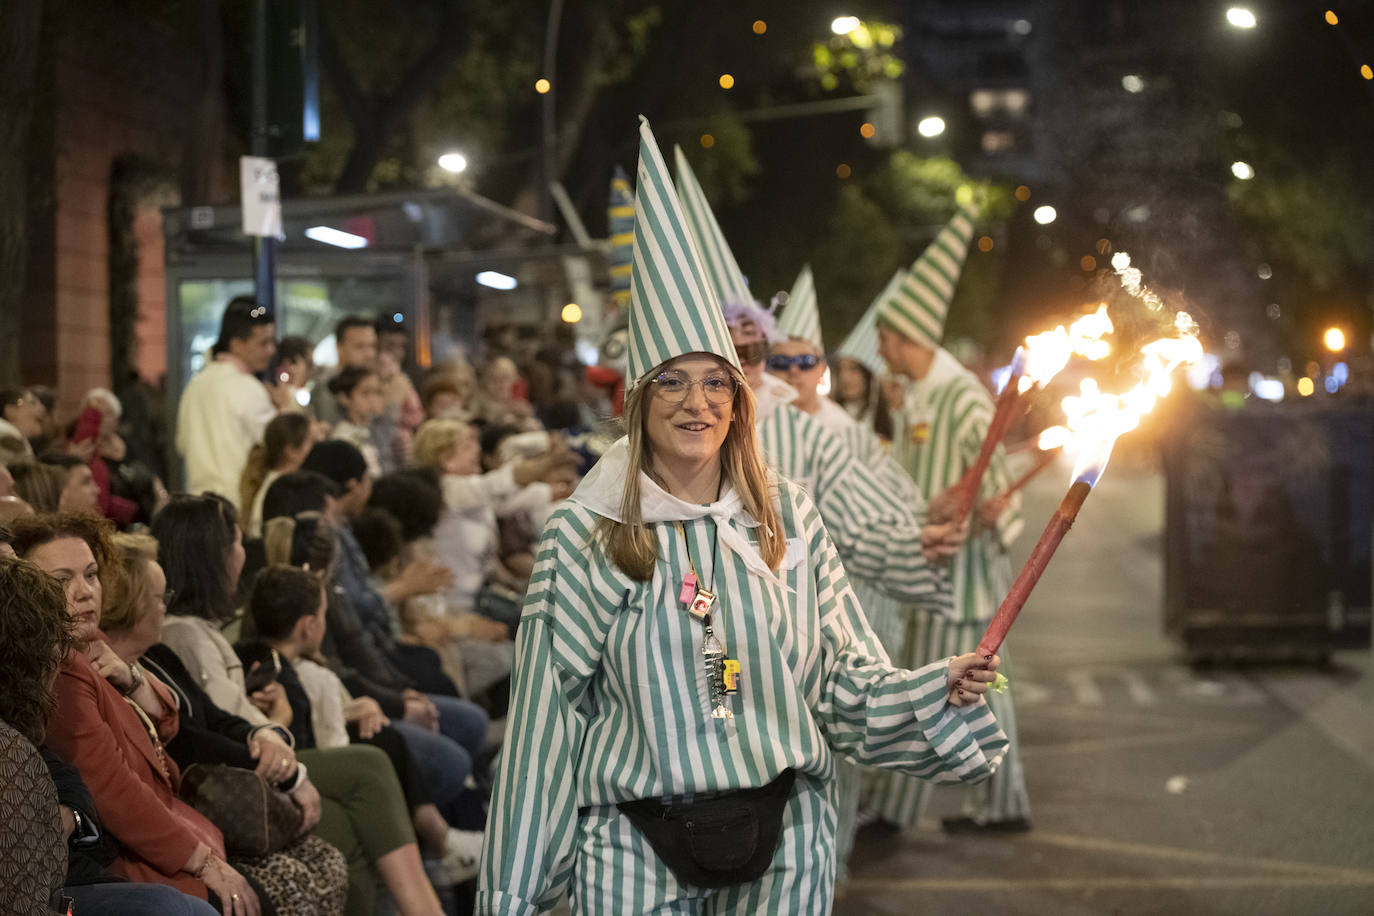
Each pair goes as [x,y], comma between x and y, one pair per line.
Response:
[956,502]
[1085,478]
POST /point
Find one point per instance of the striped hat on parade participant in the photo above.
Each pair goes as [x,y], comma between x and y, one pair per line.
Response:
[723,270]
[801,317]
[862,343]
[918,307]
[674,307]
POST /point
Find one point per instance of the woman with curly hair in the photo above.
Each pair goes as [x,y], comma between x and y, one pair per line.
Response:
[34,636]
[111,722]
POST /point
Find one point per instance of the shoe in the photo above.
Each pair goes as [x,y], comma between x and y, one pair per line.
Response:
[968,826]
[462,855]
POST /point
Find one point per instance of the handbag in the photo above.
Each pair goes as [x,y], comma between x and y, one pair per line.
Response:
[716,839]
[255,818]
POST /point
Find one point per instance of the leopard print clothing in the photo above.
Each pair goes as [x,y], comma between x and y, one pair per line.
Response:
[307,878]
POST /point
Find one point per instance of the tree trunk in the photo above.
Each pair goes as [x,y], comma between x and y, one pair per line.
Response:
[20,32]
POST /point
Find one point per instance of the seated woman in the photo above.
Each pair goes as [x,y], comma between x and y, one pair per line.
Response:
[57,483]
[285,443]
[35,634]
[117,745]
[362,810]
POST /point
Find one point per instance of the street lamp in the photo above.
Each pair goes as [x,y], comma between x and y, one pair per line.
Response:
[1045,214]
[1242,170]
[1241,17]
[932,126]
[453,162]
[843,25]
[1334,338]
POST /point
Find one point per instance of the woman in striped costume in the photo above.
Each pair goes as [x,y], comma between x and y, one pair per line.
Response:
[689,644]
[612,701]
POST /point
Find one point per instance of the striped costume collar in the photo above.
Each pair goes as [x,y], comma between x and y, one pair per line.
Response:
[603,487]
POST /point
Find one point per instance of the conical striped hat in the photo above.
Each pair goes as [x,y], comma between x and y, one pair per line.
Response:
[620,213]
[801,317]
[726,277]
[917,309]
[673,308]
[862,343]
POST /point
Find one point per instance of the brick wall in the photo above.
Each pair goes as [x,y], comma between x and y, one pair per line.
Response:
[122,86]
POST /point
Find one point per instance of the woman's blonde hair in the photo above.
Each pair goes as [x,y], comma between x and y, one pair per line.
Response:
[436,439]
[128,592]
[631,544]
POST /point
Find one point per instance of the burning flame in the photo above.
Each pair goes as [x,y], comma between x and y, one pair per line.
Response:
[1094,418]
[1045,355]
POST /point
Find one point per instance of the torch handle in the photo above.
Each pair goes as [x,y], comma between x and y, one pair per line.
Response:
[965,491]
[1059,525]
[1044,460]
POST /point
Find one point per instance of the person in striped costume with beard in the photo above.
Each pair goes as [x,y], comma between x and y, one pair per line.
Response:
[691,658]
[939,432]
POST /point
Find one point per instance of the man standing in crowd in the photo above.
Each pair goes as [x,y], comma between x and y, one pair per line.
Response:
[225,409]
[938,434]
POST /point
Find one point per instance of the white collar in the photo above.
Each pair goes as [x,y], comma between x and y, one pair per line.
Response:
[944,368]
[772,394]
[604,486]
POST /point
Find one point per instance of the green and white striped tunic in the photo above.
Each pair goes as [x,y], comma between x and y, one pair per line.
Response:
[876,527]
[611,703]
[939,434]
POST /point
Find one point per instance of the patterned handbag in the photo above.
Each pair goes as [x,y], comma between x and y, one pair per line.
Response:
[255,818]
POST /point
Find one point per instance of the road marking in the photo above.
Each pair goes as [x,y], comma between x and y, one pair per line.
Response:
[1084,687]
[1010,885]
[1195,856]
[1140,692]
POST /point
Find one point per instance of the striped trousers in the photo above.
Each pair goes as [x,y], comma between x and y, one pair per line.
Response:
[900,799]
[617,873]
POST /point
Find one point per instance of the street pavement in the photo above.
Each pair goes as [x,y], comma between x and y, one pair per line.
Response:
[1155,787]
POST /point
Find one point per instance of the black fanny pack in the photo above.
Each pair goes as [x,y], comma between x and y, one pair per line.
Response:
[717,839]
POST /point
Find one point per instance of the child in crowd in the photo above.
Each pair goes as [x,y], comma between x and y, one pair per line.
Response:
[288,609]
[286,442]
[358,392]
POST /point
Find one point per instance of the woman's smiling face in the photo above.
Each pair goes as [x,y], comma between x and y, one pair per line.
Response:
[692,430]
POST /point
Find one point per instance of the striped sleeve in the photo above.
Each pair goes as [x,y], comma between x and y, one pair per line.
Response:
[527,854]
[875,531]
[879,715]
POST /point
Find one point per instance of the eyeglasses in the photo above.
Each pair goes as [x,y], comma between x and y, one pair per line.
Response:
[751,353]
[673,387]
[168,597]
[803,361]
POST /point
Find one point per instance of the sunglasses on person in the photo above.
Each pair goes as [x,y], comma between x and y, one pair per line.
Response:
[803,361]
[751,353]
[673,387]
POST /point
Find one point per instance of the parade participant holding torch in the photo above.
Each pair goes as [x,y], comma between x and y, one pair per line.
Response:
[691,657]
[939,433]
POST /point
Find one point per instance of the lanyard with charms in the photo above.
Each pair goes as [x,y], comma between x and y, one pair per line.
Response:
[722,672]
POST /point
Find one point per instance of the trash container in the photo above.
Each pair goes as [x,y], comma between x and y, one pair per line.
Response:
[1268,525]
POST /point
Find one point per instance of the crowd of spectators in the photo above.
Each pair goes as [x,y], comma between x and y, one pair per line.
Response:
[322,616]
